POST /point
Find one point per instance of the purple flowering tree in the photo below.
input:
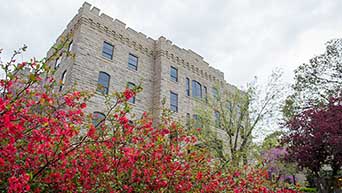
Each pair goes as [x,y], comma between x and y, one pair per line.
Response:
[278,169]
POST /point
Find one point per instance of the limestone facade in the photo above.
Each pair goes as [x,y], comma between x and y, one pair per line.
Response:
[91,29]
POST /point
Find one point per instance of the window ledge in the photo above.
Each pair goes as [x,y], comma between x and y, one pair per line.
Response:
[131,69]
[107,59]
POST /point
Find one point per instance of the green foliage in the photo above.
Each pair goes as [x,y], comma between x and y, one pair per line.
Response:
[306,189]
[272,140]
[240,115]
[317,80]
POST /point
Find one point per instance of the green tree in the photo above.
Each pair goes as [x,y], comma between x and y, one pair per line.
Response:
[317,80]
[232,117]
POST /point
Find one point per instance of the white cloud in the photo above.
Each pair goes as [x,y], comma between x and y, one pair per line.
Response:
[242,38]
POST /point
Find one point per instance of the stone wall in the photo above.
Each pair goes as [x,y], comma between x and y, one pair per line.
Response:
[91,28]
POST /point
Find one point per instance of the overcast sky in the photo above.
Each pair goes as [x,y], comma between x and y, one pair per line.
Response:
[242,38]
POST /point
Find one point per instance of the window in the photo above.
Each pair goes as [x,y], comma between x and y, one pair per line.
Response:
[197,121]
[98,118]
[132,62]
[215,93]
[229,106]
[174,74]
[238,111]
[107,50]
[196,89]
[58,61]
[187,86]
[70,46]
[205,94]
[131,85]
[103,83]
[173,101]
[188,120]
[62,81]
[217,119]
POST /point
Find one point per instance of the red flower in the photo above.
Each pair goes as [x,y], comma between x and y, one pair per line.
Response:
[199,175]
[83,105]
[128,93]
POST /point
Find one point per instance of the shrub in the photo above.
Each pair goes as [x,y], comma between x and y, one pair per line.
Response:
[42,148]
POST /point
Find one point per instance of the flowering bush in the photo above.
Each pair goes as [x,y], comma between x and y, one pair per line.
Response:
[42,147]
[278,169]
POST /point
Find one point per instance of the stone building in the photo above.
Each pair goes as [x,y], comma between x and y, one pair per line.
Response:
[113,55]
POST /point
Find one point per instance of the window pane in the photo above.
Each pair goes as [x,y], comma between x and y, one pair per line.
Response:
[229,106]
[215,93]
[131,85]
[174,74]
[217,119]
[197,121]
[205,94]
[103,83]
[173,102]
[62,81]
[107,50]
[70,46]
[238,111]
[196,89]
[187,87]
[98,118]
[132,62]
[58,61]
[188,120]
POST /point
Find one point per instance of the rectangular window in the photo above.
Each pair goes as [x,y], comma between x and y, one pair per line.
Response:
[229,106]
[188,121]
[174,74]
[197,121]
[196,89]
[205,94]
[217,119]
[173,101]
[238,111]
[107,50]
[131,85]
[187,86]
[132,62]
[215,93]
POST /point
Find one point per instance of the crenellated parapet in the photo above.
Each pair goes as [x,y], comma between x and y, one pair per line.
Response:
[116,29]
[189,60]
[140,42]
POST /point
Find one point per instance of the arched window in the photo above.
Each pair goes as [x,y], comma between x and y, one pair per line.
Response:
[98,118]
[58,61]
[131,85]
[103,83]
[62,81]
[70,46]
[196,89]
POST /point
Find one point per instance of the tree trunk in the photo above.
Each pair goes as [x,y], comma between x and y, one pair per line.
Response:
[294,179]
